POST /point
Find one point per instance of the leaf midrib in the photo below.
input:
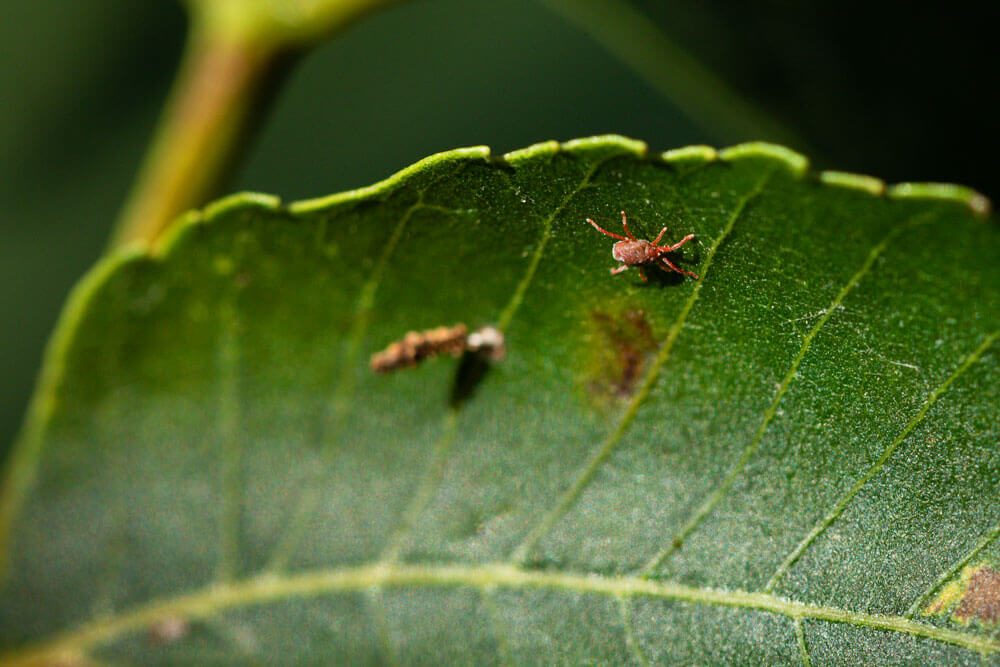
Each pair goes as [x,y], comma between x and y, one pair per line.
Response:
[215,599]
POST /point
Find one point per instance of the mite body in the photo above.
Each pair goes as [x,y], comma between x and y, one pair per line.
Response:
[634,253]
[640,252]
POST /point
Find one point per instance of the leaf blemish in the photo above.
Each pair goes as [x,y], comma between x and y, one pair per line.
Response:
[621,348]
[416,346]
[486,342]
[974,596]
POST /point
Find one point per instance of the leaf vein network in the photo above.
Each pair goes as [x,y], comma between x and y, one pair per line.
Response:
[570,496]
[716,496]
[877,466]
[434,472]
[306,498]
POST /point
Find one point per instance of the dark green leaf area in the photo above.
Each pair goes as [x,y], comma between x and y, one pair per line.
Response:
[787,459]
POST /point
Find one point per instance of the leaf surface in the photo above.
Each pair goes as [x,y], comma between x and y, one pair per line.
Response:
[793,458]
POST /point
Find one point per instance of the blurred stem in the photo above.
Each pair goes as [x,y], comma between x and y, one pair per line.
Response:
[237,53]
[209,112]
[705,98]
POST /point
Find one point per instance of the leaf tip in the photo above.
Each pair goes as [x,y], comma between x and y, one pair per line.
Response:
[626,144]
[697,153]
[472,153]
[977,203]
[796,162]
[862,182]
[540,149]
[188,221]
[240,200]
[614,143]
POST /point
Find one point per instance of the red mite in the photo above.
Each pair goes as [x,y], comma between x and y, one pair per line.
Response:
[640,252]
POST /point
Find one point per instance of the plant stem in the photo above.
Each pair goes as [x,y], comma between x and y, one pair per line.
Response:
[234,59]
[211,109]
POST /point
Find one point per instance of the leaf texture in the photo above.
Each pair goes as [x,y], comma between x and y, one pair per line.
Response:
[789,459]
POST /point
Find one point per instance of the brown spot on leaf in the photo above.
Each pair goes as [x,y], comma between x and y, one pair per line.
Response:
[622,347]
[981,601]
[974,596]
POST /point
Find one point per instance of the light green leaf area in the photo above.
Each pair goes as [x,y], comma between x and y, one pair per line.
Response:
[786,460]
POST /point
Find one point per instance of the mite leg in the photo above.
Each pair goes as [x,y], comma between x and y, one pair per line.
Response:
[662,232]
[642,274]
[625,225]
[621,268]
[677,245]
[670,266]
[607,233]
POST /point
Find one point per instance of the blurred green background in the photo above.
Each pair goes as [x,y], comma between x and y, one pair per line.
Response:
[897,93]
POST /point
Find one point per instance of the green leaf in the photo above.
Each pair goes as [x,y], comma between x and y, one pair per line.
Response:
[794,457]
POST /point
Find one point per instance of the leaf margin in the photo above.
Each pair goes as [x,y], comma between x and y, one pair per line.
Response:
[19,471]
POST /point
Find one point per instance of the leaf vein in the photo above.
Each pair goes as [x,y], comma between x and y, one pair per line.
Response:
[434,473]
[876,467]
[426,488]
[343,392]
[229,414]
[752,448]
[800,638]
[499,633]
[507,314]
[216,599]
[624,609]
[570,496]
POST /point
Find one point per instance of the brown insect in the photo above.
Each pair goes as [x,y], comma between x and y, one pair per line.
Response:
[640,252]
[416,346]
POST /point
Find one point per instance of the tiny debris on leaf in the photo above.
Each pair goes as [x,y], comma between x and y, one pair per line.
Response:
[487,341]
[416,346]
[169,629]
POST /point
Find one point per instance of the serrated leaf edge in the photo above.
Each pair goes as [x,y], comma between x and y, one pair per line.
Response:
[19,471]
[17,475]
